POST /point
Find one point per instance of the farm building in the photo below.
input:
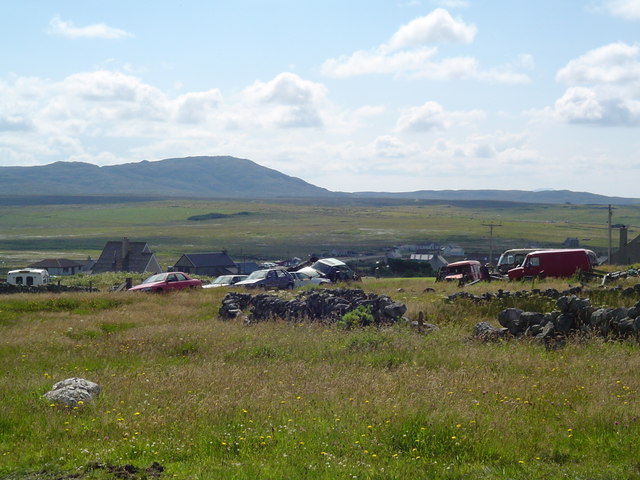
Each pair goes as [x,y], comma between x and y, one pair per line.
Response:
[126,256]
[211,264]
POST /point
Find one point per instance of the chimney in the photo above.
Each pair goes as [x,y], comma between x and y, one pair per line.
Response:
[622,255]
[125,248]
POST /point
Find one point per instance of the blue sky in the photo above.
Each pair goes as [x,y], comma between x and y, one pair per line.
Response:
[395,95]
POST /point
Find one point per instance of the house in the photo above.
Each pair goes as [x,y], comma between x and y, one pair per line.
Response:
[436,261]
[211,264]
[453,251]
[59,266]
[245,268]
[571,242]
[628,252]
[126,256]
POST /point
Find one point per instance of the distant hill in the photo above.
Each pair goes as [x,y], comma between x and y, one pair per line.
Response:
[212,177]
[230,177]
[519,196]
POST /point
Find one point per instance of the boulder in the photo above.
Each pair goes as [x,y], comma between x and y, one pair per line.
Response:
[510,319]
[72,391]
[485,332]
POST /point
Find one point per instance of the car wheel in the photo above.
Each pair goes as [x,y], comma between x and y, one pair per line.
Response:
[290,286]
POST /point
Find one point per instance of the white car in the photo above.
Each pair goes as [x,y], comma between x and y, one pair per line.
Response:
[225,281]
[301,279]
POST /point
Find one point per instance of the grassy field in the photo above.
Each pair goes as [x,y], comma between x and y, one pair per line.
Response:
[279,230]
[209,399]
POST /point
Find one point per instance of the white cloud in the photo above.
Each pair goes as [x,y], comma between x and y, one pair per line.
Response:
[431,116]
[388,146]
[194,107]
[67,29]
[626,9]
[411,52]
[616,63]
[583,105]
[368,62]
[111,117]
[604,87]
[85,101]
[288,101]
[436,27]
[287,89]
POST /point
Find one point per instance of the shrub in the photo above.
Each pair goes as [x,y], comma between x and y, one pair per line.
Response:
[358,317]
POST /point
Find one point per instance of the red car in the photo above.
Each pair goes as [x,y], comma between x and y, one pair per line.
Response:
[165,282]
[462,272]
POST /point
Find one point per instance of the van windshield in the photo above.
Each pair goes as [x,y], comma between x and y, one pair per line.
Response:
[322,267]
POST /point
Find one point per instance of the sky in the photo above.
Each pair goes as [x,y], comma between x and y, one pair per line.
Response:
[356,95]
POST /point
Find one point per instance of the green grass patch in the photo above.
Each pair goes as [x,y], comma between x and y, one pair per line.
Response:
[212,398]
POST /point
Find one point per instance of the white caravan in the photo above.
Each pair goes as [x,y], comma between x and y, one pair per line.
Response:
[28,277]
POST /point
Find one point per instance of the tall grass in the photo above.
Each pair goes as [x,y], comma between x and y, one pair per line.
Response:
[208,398]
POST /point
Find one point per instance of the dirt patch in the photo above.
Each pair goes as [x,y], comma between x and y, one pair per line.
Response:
[104,471]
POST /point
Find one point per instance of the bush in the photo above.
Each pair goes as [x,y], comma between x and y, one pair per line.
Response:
[358,317]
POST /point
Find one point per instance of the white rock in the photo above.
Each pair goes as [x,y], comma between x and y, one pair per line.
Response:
[70,391]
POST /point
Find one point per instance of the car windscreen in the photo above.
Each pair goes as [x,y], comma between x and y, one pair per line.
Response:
[258,275]
[155,278]
[223,279]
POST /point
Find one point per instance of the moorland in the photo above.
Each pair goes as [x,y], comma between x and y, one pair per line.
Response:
[276,229]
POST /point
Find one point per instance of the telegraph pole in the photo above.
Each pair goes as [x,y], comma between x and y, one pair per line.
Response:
[491,225]
[609,230]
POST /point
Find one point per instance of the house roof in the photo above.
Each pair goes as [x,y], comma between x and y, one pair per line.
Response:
[137,259]
[211,259]
[56,263]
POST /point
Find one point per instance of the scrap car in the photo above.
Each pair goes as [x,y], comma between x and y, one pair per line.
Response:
[462,272]
[332,269]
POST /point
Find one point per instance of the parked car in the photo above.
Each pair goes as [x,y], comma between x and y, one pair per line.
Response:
[225,281]
[268,278]
[555,263]
[330,268]
[462,272]
[165,282]
[301,279]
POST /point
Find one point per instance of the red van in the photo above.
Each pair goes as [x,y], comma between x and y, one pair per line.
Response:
[555,263]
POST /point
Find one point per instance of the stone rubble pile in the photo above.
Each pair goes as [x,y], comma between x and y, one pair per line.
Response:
[572,315]
[506,294]
[51,288]
[327,305]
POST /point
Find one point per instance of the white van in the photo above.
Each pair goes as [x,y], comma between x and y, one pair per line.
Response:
[28,277]
[513,258]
